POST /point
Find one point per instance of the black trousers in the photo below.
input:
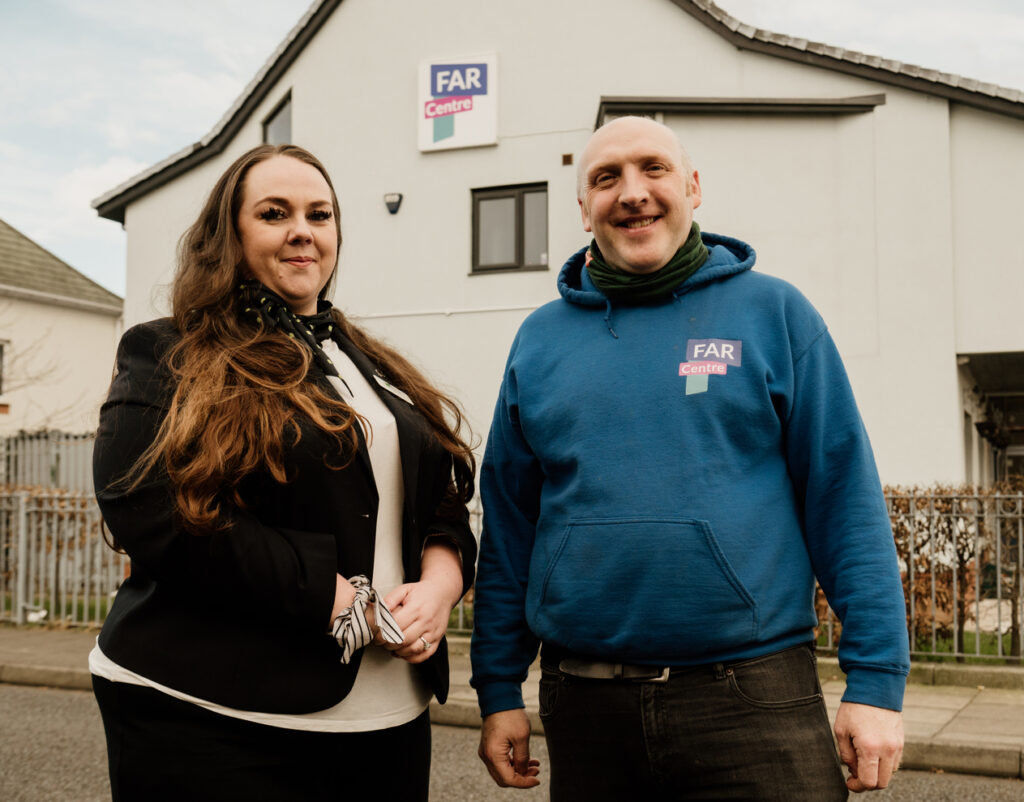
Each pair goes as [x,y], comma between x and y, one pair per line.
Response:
[160,748]
[749,730]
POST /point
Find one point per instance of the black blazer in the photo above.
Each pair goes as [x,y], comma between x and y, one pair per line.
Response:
[240,617]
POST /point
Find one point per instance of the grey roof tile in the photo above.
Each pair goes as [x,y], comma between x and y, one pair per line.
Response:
[26,265]
[840,54]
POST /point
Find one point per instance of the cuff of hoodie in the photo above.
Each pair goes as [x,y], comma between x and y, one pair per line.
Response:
[876,688]
[497,696]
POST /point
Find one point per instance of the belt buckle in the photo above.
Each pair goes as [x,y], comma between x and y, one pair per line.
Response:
[661,678]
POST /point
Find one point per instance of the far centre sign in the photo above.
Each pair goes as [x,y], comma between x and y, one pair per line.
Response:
[458,102]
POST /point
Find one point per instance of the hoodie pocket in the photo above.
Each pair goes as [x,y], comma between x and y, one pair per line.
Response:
[650,588]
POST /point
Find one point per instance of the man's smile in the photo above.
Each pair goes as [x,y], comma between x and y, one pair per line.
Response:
[638,222]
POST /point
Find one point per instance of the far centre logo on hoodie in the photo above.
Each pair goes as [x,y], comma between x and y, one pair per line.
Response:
[706,358]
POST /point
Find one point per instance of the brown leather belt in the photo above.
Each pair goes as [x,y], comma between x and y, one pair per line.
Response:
[597,669]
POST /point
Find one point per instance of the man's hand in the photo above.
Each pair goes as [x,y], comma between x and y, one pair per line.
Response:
[870,744]
[505,749]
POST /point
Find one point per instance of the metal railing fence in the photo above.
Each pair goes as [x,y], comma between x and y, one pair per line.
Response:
[54,564]
[461,620]
[961,559]
[47,459]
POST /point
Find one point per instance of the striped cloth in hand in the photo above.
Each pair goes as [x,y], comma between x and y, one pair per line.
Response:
[350,628]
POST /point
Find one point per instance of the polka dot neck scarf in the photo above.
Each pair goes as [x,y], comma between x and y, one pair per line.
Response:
[271,311]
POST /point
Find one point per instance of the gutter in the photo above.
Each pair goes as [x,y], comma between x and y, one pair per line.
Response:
[53,299]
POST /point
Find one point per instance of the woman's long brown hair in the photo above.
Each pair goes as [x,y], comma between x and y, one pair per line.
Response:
[241,391]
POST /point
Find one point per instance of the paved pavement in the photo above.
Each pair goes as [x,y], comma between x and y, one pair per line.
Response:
[966,719]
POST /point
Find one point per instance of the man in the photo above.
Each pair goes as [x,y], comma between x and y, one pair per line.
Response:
[675,456]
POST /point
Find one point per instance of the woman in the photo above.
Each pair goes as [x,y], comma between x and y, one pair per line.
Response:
[283,469]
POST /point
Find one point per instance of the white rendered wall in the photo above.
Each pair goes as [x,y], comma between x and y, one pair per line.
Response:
[988,211]
[57,365]
[855,210]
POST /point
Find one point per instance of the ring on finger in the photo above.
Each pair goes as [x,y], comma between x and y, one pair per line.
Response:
[426,644]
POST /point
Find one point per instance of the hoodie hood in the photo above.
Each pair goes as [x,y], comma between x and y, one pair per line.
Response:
[726,257]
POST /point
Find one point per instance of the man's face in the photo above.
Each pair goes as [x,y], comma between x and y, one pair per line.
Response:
[635,196]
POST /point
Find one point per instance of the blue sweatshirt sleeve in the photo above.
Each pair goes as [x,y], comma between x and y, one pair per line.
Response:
[849,536]
[503,646]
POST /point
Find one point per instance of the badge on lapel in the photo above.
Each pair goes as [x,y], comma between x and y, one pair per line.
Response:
[391,388]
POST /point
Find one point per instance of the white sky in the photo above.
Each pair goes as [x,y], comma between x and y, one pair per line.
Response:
[94,91]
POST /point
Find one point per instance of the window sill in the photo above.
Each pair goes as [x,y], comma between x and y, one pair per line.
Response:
[487,271]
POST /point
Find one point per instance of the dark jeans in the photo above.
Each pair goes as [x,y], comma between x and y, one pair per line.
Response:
[160,748]
[754,729]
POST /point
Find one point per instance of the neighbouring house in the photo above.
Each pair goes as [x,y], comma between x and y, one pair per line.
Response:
[887,192]
[58,334]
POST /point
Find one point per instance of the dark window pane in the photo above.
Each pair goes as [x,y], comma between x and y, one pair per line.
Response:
[278,129]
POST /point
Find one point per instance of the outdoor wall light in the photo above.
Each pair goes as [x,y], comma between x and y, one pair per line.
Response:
[393,200]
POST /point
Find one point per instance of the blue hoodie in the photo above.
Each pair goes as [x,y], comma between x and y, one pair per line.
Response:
[662,483]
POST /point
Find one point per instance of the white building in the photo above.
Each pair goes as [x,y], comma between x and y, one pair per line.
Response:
[58,334]
[884,191]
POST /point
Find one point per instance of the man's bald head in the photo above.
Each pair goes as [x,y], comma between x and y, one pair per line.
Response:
[625,127]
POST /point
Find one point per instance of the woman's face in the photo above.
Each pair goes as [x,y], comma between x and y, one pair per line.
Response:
[286,224]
